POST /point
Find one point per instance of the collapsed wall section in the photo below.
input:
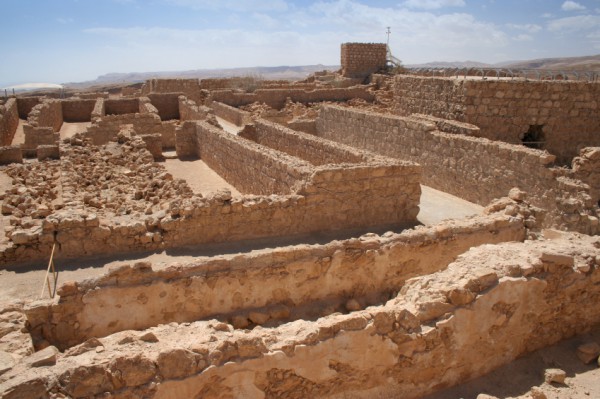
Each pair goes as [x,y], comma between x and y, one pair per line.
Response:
[9,121]
[559,116]
[106,128]
[472,168]
[47,114]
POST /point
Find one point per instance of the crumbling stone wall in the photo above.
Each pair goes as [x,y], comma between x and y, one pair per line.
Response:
[472,168]
[121,106]
[106,128]
[9,121]
[167,105]
[368,268]
[586,167]
[277,98]
[36,136]
[99,109]
[26,104]
[47,114]
[10,154]
[78,110]
[359,60]
[568,112]
[234,115]
[189,110]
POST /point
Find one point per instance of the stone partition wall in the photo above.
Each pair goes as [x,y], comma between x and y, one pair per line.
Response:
[106,128]
[567,112]
[26,104]
[276,98]
[9,121]
[146,106]
[47,114]
[121,106]
[167,105]
[231,114]
[360,60]
[586,167]
[189,87]
[78,110]
[11,154]
[312,149]
[189,110]
[472,168]
[99,109]
[249,167]
[36,136]
[368,268]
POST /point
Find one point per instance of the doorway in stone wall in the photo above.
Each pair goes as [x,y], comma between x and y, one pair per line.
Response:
[534,137]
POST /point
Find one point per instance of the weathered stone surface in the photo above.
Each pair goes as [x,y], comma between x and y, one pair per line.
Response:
[588,352]
[555,376]
[44,357]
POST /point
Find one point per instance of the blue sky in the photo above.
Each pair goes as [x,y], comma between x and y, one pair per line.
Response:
[74,40]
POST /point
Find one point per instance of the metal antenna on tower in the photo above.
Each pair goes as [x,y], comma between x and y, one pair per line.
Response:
[387,32]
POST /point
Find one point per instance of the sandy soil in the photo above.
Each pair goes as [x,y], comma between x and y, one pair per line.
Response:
[228,126]
[516,379]
[201,179]
[69,129]
[19,137]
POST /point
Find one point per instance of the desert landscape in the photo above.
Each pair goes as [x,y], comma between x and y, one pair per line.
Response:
[375,231]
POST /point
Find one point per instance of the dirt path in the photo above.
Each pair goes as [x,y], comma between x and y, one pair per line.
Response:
[19,137]
[201,179]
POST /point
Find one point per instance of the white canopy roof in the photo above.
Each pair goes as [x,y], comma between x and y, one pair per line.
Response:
[33,86]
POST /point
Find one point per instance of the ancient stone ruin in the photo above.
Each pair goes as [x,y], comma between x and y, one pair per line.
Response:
[356,234]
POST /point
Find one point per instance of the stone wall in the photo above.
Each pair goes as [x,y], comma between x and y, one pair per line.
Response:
[189,110]
[359,60]
[472,168]
[586,167]
[121,106]
[106,128]
[146,106]
[47,114]
[189,87]
[567,111]
[234,115]
[78,110]
[167,105]
[36,136]
[186,141]
[251,168]
[26,104]
[153,145]
[99,110]
[368,269]
[276,98]
[11,154]
[9,121]
[309,148]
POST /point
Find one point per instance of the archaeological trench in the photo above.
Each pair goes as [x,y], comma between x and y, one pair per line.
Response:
[380,305]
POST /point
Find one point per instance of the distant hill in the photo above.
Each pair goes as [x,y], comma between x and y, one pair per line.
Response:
[270,73]
[587,63]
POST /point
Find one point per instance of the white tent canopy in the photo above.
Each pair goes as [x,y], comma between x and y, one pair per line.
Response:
[34,86]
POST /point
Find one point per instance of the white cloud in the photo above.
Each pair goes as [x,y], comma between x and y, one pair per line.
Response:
[523,38]
[234,5]
[64,21]
[433,4]
[531,28]
[547,15]
[572,6]
[580,22]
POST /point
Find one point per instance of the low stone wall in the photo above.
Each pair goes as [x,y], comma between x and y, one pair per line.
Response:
[309,148]
[586,167]
[36,136]
[26,104]
[146,106]
[99,110]
[153,145]
[276,98]
[567,111]
[475,169]
[251,168]
[189,87]
[236,116]
[368,269]
[11,154]
[47,114]
[189,111]
[79,110]
[307,126]
[121,106]
[167,105]
[9,121]
[106,128]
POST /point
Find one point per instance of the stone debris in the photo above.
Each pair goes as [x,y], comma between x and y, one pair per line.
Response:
[588,352]
[555,376]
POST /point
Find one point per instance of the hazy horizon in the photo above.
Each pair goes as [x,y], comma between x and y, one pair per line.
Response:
[75,40]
